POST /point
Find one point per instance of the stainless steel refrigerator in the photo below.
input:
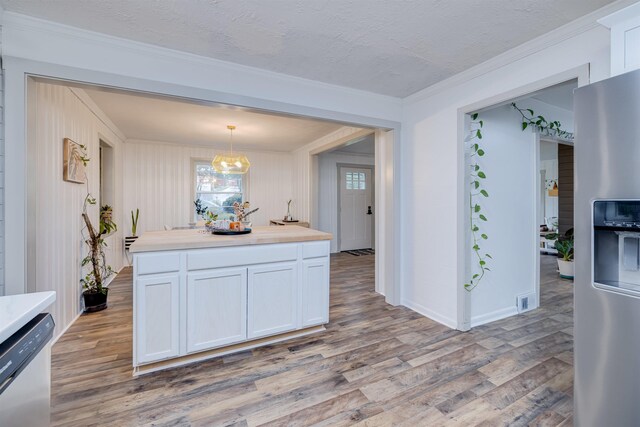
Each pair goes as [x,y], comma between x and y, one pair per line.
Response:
[607,253]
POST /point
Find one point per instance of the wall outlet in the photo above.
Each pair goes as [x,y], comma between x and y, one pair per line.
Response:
[526,302]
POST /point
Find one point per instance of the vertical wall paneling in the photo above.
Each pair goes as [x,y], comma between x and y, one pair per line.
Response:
[56,244]
[159,181]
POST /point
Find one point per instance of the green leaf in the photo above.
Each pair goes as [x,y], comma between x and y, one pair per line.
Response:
[530,111]
[484,193]
[476,208]
[484,236]
[476,184]
[475,147]
[488,256]
[481,152]
[474,116]
[482,217]
[524,125]
[479,134]
[481,175]
[482,262]
[476,247]
[542,118]
[481,123]
[475,228]
[476,276]
[477,167]
[487,269]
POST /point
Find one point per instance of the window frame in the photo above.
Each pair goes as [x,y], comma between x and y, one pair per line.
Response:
[194,179]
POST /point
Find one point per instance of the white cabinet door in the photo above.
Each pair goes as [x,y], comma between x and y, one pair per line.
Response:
[315,291]
[157,317]
[273,299]
[216,308]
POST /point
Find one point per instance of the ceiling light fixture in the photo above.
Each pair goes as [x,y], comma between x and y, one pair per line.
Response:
[234,163]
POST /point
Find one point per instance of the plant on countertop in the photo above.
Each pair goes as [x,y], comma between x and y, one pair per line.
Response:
[476,194]
[200,210]
[93,281]
[554,128]
[134,222]
[240,210]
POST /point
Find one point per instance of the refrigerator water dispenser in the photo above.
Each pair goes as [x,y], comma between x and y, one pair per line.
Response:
[616,250]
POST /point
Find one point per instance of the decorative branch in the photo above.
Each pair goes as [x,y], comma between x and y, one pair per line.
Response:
[554,128]
[476,193]
[100,271]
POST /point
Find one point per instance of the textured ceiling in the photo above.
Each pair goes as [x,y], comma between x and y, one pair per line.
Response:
[390,47]
[171,120]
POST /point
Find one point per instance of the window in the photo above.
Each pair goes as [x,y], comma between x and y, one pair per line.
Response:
[356,181]
[217,191]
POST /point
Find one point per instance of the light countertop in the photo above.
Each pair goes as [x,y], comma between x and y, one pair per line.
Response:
[17,310]
[198,239]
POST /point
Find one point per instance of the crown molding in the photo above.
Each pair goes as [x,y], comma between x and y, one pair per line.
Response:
[16,20]
[552,38]
[16,26]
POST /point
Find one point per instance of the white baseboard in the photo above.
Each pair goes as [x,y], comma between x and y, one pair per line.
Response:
[493,316]
[57,337]
[418,308]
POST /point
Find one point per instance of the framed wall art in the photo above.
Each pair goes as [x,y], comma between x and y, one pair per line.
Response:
[74,160]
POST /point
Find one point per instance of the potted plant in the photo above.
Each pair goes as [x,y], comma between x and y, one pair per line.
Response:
[564,246]
[95,293]
[134,228]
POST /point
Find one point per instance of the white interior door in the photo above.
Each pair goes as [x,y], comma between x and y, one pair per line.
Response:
[356,208]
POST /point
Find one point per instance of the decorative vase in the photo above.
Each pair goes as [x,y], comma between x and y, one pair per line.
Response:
[95,301]
[128,241]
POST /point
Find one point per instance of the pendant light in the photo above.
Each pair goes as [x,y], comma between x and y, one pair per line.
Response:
[230,162]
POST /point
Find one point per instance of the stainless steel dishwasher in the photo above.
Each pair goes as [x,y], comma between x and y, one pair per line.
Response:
[25,374]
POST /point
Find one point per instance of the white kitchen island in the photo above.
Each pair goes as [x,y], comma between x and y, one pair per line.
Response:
[198,295]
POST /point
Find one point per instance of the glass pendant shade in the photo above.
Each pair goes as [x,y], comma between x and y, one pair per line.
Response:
[234,163]
[230,162]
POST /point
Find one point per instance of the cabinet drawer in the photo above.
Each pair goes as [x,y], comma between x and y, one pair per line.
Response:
[163,262]
[315,249]
[237,256]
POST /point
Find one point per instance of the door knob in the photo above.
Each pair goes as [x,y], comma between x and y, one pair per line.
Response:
[369,210]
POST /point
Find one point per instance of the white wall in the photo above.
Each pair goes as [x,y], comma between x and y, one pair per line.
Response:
[432,153]
[328,189]
[549,165]
[2,207]
[56,207]
[159,182]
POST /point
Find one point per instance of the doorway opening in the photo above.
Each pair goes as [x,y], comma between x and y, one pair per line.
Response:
[516,211]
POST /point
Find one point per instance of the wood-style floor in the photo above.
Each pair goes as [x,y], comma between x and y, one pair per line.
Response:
[375,365]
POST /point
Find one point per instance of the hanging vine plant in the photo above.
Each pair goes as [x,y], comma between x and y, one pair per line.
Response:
[476,195]
[539,123]
[477,192]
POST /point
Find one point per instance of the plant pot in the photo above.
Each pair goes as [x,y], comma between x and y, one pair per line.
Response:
[95,301]
[128,241]
[566,269]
